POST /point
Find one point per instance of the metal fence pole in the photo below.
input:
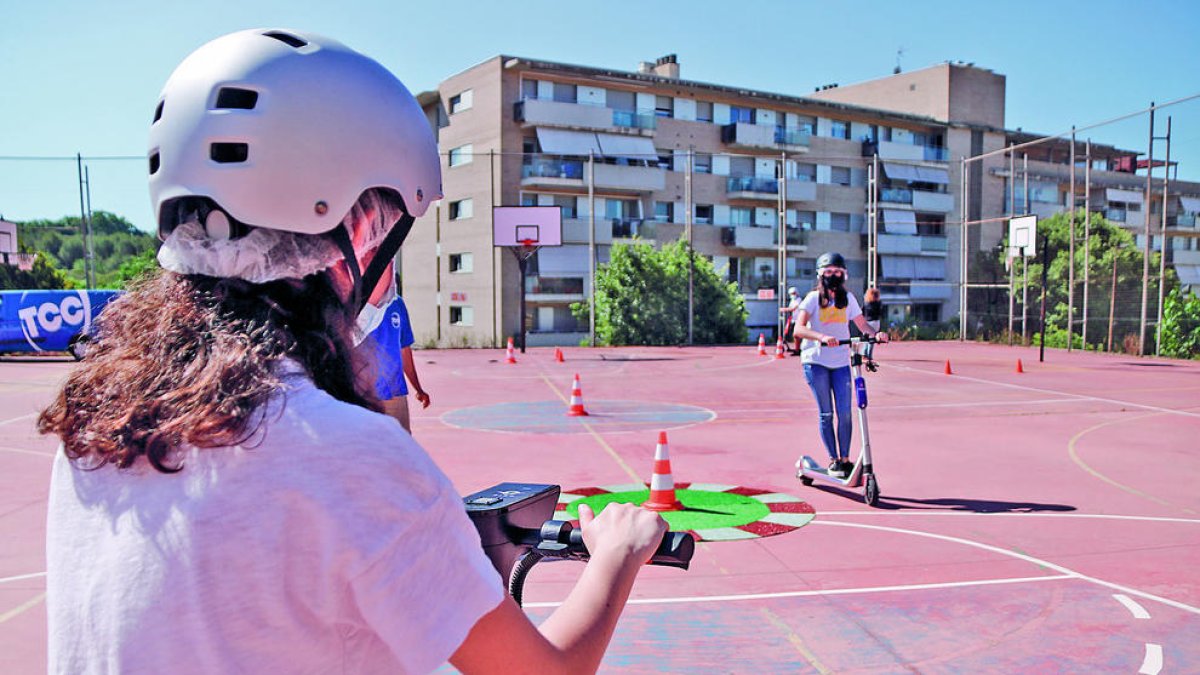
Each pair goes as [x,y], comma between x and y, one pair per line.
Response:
[1146,247]
[1087,235]
[1162,253]
[962,252]
[1071,252]
[592,245]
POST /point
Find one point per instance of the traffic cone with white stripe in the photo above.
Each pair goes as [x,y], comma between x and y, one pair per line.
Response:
[662,485]
[576,409]
[779,348]
[511,356]
[762,345]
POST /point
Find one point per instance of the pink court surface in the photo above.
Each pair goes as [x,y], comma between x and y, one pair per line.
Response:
[1045,521]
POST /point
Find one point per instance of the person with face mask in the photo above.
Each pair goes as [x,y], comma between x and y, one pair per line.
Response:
[387,348]
[789,328]
[226,497]
[823,318]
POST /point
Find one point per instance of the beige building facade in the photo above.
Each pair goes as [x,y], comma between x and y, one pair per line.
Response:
[618,149]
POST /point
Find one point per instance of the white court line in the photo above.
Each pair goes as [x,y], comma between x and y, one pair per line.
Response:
[832,591]
[1153,661]
[936,512]
[19,577]
[920,406]
[1135,609]
[1021,556]
[18,419]
[1060,393]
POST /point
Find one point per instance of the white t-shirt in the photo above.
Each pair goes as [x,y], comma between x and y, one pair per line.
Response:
[333,545]
[830,321]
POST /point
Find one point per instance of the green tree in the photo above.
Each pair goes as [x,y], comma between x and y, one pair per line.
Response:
[114,242]
[1108,244]
[1181,325]
[43,276]
[135,267]
[641,299]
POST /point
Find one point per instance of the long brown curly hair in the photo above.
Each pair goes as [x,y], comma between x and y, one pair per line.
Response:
[192,360]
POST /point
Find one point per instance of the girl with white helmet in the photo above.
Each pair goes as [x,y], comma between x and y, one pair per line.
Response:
[226,499]
[823,318]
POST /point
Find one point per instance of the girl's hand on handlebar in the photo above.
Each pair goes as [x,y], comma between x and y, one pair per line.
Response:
[881,337]
[830,340]
[625,531]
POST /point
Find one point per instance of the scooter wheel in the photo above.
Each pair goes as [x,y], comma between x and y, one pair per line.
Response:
[871,494]
[806,481]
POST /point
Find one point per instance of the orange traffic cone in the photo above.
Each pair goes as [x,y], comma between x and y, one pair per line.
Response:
[762,345]
[576,409]
[948,371]
[662,485]
[779,348]
[510,357]
[1020,368]
[558,355]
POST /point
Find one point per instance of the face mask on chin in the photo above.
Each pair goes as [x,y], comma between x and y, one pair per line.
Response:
[372,314]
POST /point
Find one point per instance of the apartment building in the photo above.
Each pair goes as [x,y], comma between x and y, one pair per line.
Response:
[617,148]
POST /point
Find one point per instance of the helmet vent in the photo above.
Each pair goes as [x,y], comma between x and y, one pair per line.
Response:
[154,162]
[286,38]
[158,111]
[234,98]
[229,153]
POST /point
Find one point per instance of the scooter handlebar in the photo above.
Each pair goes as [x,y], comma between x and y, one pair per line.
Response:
[562,540]
[870,340]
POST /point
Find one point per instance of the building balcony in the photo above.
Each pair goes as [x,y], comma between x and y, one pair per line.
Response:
[1183,221]
[552,172]
[575,230]
[628,228]
[629,178]
[794,138]
[532,112]
[629,119]
[554,289]
[939,202]
[767,189]
[762,238]
[905,151]
[1185,257]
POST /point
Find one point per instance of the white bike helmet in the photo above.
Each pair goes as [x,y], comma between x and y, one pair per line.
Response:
[284,130]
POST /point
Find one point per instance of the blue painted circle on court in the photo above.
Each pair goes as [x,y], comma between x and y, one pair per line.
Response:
[550,417]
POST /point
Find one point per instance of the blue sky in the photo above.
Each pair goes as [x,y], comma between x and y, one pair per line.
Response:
[84,76]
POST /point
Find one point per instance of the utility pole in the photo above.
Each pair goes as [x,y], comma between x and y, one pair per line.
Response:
[962,253]
[781,263]
[687,225]
[91,254]
[1087,234]
[1146,247]
[1012,261]
[84,226]
[592,245]
[1162,253]
[1045,266]
[1071,253]
[1025,260]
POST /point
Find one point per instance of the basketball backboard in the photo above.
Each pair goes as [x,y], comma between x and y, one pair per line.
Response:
[527,225]
[1022,237]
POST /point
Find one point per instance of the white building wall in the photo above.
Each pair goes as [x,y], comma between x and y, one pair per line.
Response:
[901,136]
[720,113]
[764,167]
[824,173]
[545,89]
[765,117]
[763,215]
[591,95]
[685,109]
[823,220]
[858,131]
[720,214]
[824,126]
[645,101]
[720,165]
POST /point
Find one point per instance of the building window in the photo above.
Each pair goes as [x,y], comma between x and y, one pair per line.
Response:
[666,159]
[704,214]
[704,111]
[925,312]
[462,263]
[740,114]
[664,106]
[839,222]
[460,102]
[702,162]
[806,219]
[462,315]
[463,208]
[462,155]
[839,175]
[567,205]
[739,215]
[566,93]
[529,89]
[839,129]
[664,212]
[806,172]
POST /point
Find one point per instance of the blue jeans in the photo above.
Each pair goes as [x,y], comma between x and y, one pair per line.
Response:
[827,384]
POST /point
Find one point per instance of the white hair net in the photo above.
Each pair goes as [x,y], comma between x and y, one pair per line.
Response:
[264,255]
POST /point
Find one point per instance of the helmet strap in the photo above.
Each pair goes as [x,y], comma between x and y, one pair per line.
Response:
[387,250]
[341,236]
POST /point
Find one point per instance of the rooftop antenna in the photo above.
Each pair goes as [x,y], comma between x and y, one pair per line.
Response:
[899,53]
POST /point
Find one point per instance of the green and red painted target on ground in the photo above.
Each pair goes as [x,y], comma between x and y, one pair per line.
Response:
[711,512]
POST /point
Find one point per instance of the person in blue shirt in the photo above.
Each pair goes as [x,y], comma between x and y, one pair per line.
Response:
[390,348]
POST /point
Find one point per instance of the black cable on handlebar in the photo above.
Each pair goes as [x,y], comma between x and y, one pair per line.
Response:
[516,582]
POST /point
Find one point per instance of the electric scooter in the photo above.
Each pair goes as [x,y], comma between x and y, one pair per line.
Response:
[863,474]
[512,521]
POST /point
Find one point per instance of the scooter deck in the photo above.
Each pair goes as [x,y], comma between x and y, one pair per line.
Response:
[852,479]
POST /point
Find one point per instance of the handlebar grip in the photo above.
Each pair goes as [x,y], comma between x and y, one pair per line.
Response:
[675,549]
